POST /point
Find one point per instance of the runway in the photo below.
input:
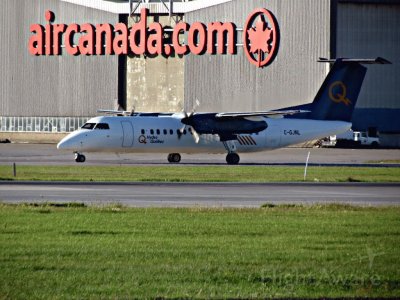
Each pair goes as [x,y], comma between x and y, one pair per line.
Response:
[201,194]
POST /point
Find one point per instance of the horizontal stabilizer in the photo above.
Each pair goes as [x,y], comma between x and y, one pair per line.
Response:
[378,60]
[115,112]
[261,113]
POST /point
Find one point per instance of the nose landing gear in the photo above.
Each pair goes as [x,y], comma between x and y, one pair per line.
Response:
[174,158]
[79,158]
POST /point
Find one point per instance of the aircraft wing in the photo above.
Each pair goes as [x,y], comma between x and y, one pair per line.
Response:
[261,113]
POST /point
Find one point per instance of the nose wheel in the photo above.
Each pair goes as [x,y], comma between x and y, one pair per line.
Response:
[174,158]
[79,158]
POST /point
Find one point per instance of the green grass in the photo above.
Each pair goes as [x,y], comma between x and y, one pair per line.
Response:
[384,161]
[278,251]
[200,173]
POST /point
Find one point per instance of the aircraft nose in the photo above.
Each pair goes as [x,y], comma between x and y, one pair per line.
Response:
[68,143]
[63,144]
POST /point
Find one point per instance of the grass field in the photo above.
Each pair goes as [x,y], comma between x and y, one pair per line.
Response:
[116,252]
[200,173]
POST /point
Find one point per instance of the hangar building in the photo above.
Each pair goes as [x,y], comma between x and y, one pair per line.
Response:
[44,96]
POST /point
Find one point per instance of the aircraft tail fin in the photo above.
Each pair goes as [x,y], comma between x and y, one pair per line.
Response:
[338,94]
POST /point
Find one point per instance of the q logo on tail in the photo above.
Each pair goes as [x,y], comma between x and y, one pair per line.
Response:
[337,93]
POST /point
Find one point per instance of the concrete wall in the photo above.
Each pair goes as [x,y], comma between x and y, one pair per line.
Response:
[52,85]
[231,83]
[157,83]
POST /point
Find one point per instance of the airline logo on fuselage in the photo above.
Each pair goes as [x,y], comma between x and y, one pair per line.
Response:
[151,139]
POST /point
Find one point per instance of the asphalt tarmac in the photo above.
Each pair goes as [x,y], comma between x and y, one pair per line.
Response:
[204,194]
[47,154]
[201,194]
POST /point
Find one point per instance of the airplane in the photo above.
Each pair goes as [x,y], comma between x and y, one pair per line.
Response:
[232,133]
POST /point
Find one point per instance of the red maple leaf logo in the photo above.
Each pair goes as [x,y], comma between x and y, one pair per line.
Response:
[260,37]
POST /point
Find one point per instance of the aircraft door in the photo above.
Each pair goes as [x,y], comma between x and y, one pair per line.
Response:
[127,130]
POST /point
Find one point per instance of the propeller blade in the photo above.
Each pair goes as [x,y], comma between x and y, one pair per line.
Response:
[196,136]
[182,129]
[197,103]
[185,120]
[180,132]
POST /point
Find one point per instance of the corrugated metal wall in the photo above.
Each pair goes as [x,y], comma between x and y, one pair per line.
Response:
[231,83]
[52,85]
[370,30]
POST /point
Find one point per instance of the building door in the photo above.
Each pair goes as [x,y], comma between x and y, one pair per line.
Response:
[128,134]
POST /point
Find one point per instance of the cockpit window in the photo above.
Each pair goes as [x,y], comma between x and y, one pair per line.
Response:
[102,126]
[88,126]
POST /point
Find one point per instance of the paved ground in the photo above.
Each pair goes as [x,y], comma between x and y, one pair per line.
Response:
[40,154]
[227,195]
[204,195]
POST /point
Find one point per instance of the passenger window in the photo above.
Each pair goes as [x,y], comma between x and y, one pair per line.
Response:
[102,126]
[142,131]
[165,131]
[151,131]
[171,132]
[88,126]
[158,131]
[184,131]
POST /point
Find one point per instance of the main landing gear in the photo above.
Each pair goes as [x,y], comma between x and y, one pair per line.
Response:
[174,158]
[79,158]
[232,158]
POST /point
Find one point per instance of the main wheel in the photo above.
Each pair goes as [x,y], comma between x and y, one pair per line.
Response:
[232,159]
[80,158]
[174,158]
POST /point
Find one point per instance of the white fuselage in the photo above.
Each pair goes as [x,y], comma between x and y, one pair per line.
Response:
[162,134]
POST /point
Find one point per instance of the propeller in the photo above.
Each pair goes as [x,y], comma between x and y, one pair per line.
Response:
[186,121]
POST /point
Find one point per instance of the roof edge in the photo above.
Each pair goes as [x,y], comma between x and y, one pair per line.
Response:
[155,8]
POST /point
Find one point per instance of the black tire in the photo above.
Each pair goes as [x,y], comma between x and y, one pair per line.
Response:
[80,158]
[174,158]
[232,158]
